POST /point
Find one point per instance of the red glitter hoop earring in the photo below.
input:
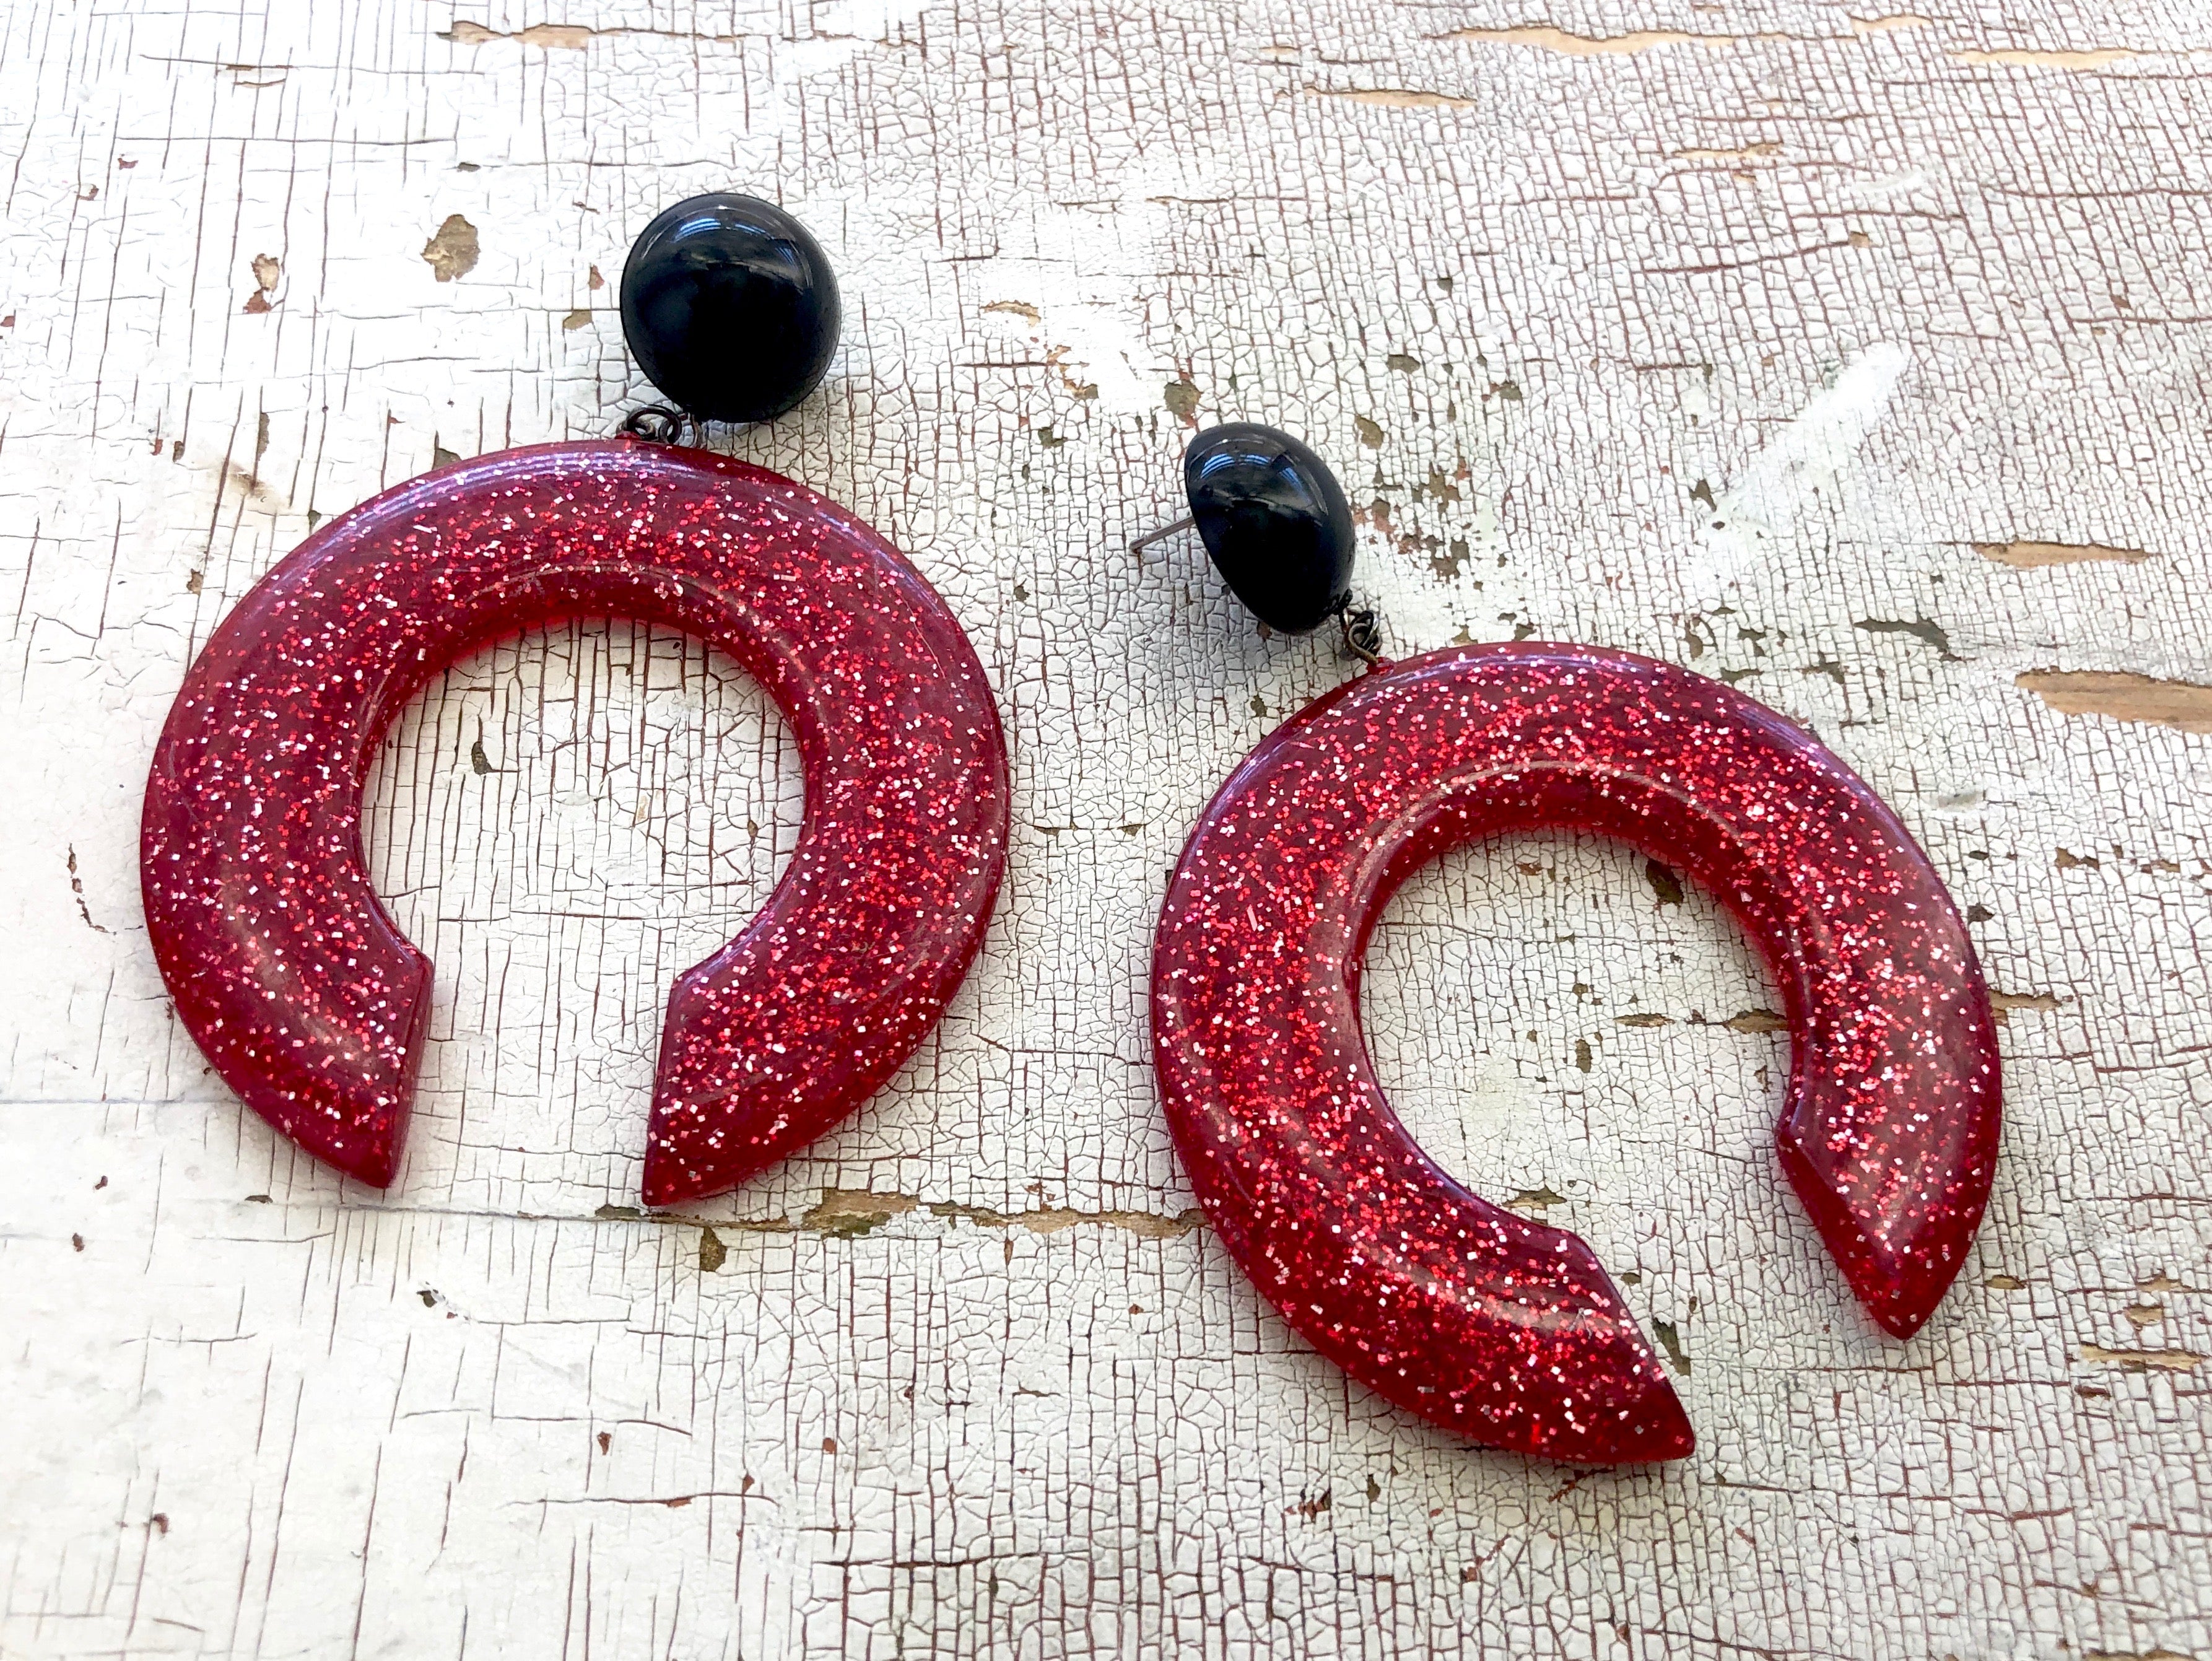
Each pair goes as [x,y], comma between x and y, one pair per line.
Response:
[1501,1328]
[293,978]
[303,993]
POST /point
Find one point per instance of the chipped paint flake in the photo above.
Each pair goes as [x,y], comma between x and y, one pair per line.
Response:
[2096,58]
[2122,695]
[564,37]
[2028,556]
[1547,38]
[1394,98]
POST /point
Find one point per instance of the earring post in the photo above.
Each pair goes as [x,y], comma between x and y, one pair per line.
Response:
[1161,535]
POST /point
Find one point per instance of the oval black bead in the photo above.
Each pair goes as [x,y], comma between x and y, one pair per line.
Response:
[1276,520]
[730,307]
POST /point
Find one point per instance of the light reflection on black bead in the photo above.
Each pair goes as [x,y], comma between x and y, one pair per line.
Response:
[730,307]
[1274,520]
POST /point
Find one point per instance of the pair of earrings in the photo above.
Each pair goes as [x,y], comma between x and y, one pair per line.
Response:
[310,1003]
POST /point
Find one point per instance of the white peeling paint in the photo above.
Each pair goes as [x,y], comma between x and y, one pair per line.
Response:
[253,1411]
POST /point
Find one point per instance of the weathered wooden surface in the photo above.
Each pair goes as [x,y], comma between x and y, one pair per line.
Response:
[1861,360]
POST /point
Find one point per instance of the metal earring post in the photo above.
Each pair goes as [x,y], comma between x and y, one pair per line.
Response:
[1162,534]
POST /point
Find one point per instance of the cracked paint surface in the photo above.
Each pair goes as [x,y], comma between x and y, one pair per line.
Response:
[1000,1396]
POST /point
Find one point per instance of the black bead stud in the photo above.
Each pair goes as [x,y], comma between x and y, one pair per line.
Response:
[730,307]
[1275,522]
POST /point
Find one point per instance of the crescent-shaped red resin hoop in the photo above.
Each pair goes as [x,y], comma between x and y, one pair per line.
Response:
[311,1003]
[1494,1326]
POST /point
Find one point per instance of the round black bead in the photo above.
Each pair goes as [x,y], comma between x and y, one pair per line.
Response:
[1276,520]
[730,307]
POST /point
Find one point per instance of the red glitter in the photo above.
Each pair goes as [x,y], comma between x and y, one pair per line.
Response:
[294,980]
[1497,1327]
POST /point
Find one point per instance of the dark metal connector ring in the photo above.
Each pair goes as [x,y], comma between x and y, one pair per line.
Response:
[656,423]
[1363,633]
